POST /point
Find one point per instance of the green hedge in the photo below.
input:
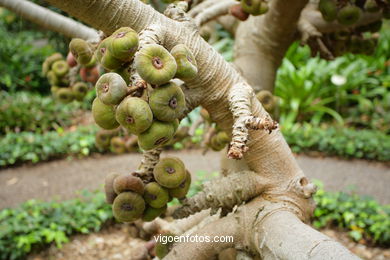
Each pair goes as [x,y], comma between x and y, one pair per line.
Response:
[343,142]
[363,217]
[31,147]
[36,224]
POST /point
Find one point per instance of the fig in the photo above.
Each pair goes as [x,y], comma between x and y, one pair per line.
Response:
[186,63]
[371,6]
[124,44]
[65,95]
[111,88]
[267,100]
[328,10]
[54,90]
[52,78]
[181,191]
[134,114]
[125,73]
[155,64]
[169,172]
[167,102]
[70,59]
[109,187]
[46,65]
[254,7]
[162,249]
[151,213]
[80,89]
[104,115]
[157,135]
[238,12]
[81,50]
[128,182]
[60,68]
[109,62]
[155,195]
[348,15]
[128,206]
[117,145]
[89,74]
[103,139]
[218,142]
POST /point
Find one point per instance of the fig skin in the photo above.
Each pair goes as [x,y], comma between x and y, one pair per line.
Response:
[158,134]
[134,114]
[167,102]
[80,90]
[128,182]
[65,95]
[155,195]
[103,139]
[81,50]
[254,7]
[70,59]
[128,206]
[104,115]
[151,213]
[89,74]
[111,88]
[348,15]
[328,9]
[181,191]
[170,172]
[186,64]
[124,44]
[155,64]
[60,68]
[117,145]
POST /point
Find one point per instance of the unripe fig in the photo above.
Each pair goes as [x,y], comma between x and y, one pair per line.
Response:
[125,73]
[348,15]
[70,59]
[155,64]
[151,213]
[328,9]
[103,139]
[52,78]
[371,6]
[65,95]
[64,81]
[131,144]
[186,63]
[181,191]
[102,48]
[216,145]
[124,44]
[267,100]
[128,206]
[111,88]
[167,102]
[92,63]
[254,7]
[117,145]
[155,195]
[169,172]
[128,182]
[81,50]
[80,89]
[109,62]
[162,249]
[104,115]
[134,114]
[157,135]
[89,74]
[176,124]
[109,187]
[54,90]
[60,68]
[238,12]
[46,66]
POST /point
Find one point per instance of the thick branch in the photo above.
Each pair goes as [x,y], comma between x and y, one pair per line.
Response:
[50,20]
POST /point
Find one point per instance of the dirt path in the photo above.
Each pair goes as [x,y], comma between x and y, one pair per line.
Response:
[61,179]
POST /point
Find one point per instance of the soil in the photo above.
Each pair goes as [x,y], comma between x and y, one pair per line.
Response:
[61,179]
[119,242]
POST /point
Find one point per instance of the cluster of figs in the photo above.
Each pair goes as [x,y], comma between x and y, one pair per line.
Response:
[153,111]
[56,70]
[133,199]
[249,7]
[115,141]
[348,12]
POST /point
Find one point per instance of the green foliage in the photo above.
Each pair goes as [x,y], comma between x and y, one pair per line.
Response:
[24,111]
[363,217]
[37,224]
[344,142]
[30,147]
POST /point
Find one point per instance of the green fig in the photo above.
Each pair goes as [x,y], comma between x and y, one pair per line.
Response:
[169,172]
[81,50]
[104,115]
[186,63]
[371,6]
[109,62]
[328,9]
[60,68]
[128,182]
[65,95]
[267,100]
[163,249]
[134,114]
[254,7]
[348,15]
[125,73]
[155,195]
[216,145]
[117,145]
[54,90]
[80,90]
[155,64]
[167,102]
[102,48]
[111,88]
[109,187]
[181,191]
[157,135]
[124,44]
[52,78]
[47,64]
[151,213]
[128,206]
[103,139]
